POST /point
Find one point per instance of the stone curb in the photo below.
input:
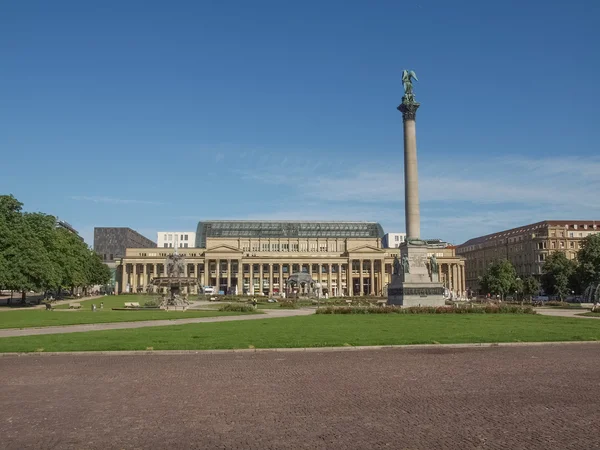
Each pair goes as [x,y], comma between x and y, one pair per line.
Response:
[301,349]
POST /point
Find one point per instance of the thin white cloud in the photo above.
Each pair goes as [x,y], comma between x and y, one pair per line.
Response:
[113,201]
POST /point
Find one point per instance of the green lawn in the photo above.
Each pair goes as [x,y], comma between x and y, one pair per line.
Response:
[320,331]
[42,318]
[110,301]
[590,314]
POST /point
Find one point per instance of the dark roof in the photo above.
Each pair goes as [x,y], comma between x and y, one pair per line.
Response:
[285,229]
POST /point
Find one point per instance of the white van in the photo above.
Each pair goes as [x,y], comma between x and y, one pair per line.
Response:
[208,290]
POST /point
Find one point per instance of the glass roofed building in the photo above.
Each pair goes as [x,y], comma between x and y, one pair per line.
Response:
[248,257]
[285,229]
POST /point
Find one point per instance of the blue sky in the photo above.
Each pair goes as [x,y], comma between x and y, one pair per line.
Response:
[155,115]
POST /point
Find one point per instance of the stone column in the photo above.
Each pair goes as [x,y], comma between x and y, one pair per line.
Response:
[360,272]
[251,285]
[411,175]
[329,282]
[218,274]
[155,274]
[124,278]
[206,272]
[320,278]
[339,280]
[349,283]
[382,276]
[134,276]
[459,280]
[240,277]
[372,290]
[261,275]
[270,279]
[280,278]
[228,273]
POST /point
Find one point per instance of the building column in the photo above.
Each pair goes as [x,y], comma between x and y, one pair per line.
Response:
[251,285]
[228,274]
[349,282]
[382,276]
[155,273]
[280,278]
[329,282]
[218,275]
[261,275]
[360,271]
[459,278]
[206,272]
[339,281]
[270,279]
[124,279]
[463,286]
[320,278]
[240,277]
[134,278]
[372,290]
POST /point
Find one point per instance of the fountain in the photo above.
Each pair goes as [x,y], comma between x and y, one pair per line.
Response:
[175,282]
[592,293]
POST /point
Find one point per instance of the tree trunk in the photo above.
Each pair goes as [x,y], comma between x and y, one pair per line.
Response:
[23,297]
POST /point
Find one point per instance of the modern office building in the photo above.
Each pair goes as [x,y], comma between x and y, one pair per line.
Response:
[181,239]
[110,242]
[257,257]
[393,240]
[526,247]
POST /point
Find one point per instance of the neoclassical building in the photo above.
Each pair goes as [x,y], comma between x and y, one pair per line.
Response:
[254,257]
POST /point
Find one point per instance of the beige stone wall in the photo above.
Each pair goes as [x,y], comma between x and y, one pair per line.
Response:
[526,248]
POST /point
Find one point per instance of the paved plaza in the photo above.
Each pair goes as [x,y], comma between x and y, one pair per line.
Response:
[530,397]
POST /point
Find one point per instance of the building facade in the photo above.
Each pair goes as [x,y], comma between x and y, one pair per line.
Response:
[110,242]
[180,239]
[526,247]
[256,258]
[393,240]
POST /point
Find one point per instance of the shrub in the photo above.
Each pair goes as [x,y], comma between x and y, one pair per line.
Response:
[152,303]
[237,307]
[490,309]
[290,304]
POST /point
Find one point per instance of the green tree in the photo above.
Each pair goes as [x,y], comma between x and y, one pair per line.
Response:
[499,278]
[558,274]
[531,287]
[588,258]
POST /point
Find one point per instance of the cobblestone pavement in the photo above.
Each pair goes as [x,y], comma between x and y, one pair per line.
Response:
[268,313]
[539,397]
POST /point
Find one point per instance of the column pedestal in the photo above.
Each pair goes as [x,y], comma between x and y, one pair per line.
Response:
[415,287]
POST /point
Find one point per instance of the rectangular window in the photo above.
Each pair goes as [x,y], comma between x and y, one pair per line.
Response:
[396,238]
[571,244]
[571,234]
[111,257]
[322,248]
[185,245]
[170,237]
[165,237]
[562,244]
[185,237]
[294,247]
[552,244]
[313,246]
[181,238]
[166,245]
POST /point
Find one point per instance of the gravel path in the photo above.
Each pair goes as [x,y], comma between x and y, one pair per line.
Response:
[268,314]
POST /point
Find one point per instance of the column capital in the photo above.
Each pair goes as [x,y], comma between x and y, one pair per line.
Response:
[408,110]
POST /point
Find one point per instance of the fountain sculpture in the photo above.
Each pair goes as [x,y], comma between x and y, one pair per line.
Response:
[175,282]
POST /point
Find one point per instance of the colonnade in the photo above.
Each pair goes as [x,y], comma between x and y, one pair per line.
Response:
[349,277]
